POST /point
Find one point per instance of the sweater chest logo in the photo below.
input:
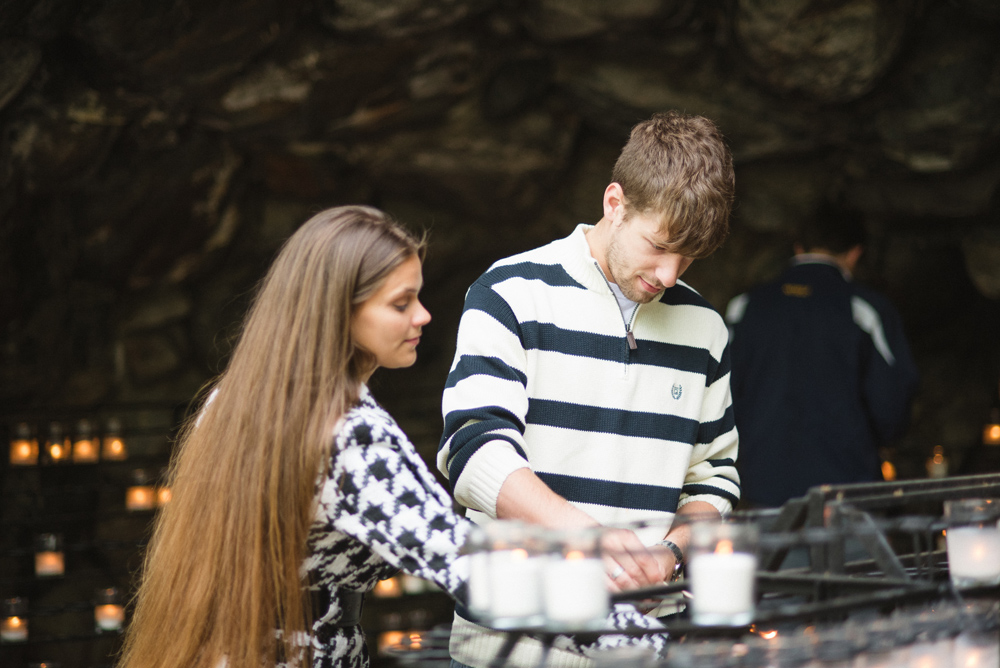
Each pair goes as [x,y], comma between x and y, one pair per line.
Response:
[676,390]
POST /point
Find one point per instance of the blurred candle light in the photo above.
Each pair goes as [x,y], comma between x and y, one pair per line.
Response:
[388,588]
[85,450]
[109,613]
[112,446]
[23,447]
[390,640]
[57,447]
[991,432]
[49,558]
[140,495]
[13,623]
[163,496]
[937,463]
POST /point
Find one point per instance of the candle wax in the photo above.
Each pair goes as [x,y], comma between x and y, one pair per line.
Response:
[109,617]
[515,596]
[974,555]
[575,593]
[14,629]
[49,563]
[723,588]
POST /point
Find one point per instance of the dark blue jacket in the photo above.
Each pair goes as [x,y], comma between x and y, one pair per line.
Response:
[821,377]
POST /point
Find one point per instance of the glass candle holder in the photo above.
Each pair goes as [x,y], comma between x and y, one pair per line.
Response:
[574,592]
[112,445]
[515,565]
[477,551]
[50,560]
[14,620]
[973,541]
[109,613]
[937,463]
[86,449]
[58,448]
[722,572]
[23,446]
[141,494]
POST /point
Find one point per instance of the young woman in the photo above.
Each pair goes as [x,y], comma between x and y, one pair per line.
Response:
[293,491]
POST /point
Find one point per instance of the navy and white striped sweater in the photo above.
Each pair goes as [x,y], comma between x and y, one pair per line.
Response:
[544,376]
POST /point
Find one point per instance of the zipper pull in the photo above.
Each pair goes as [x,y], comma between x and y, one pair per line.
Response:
[631,340]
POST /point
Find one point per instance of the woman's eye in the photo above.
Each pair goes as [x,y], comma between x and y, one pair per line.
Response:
[400,307]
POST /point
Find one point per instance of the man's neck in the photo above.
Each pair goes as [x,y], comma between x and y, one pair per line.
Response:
[597,240]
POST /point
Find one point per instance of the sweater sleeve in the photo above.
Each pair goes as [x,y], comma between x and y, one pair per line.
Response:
[484,403]
[712,475]
[389,501]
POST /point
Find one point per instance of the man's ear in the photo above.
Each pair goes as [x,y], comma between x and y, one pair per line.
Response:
[852,256]
[614,203]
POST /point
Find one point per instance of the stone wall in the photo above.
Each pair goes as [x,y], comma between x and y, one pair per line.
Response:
[153,156]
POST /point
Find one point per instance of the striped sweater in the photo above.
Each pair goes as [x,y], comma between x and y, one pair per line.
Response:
[544,376]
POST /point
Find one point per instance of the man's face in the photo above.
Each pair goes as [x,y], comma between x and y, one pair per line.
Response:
[638,261]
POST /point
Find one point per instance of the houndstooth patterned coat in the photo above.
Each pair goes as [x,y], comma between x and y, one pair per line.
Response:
[381,510]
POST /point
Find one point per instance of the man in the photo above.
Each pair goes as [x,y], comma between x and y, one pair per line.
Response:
[590,386]
[822,374]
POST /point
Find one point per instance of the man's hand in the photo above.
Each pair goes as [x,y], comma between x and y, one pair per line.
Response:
[629,563]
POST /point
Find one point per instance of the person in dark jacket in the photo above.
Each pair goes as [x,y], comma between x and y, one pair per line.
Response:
[822,375]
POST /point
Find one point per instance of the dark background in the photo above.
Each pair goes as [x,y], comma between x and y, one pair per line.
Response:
[153,156]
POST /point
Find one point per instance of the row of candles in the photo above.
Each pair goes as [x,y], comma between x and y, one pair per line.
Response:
[58,447]
[524,577]
[109,616]
[944,635]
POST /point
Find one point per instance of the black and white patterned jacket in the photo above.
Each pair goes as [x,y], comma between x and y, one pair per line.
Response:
[380,509]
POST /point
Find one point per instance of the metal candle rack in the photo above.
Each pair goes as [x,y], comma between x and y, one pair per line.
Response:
[898,561]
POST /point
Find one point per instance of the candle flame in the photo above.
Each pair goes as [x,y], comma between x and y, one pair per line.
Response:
[724,547]
[415,640]
[389,588]
[24,449]
[993,433]
[888,470]
[769,635]
[56,451]
[519,553]
[573,555]
[163,496]
[14,622]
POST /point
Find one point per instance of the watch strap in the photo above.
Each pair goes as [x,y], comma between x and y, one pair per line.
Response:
[678,556]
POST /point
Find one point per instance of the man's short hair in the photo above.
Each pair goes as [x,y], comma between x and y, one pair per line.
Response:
[832,228]
[678,167]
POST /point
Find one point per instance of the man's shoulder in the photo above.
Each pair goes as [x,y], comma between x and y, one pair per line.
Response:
[682,294]
[544,263]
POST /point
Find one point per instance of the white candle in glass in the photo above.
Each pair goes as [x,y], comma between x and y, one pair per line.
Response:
[976,651]
[49,564]
[109,617]
[722,586]
[13,629]
[973,555]
[574,592]
[479,583]
[515,596]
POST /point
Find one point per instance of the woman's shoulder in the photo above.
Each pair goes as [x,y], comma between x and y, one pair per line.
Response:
[368,423]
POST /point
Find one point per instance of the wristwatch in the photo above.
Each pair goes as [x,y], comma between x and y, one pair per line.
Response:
[678,558]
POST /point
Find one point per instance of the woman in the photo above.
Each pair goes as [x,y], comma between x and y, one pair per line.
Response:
[254,548]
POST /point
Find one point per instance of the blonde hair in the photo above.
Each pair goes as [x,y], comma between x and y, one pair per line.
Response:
[222,572]
[679,167]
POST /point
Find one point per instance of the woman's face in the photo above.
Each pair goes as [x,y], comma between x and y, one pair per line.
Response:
[388,324]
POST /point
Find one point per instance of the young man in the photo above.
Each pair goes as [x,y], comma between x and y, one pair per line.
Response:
[590,386]
[822,373]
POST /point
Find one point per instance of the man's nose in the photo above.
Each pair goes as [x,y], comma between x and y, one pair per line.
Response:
[669,270]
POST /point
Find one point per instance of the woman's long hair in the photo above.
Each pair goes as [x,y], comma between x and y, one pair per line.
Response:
[222,572]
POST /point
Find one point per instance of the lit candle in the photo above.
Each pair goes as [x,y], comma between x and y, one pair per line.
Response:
[388,588]
[937,464]
[112,446]
[389,640]
[23,447]
[141,495]
[411,584]
[13,625]
[991,434]
[973,541]
[57,447]
[974,555]
[976,650]
[515,594]
[574,591]
[49,558]
[85,449]
[163,496]
[722,572]
[109,613]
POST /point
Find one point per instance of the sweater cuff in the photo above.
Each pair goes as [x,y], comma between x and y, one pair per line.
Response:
[484,474]
[722,505]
